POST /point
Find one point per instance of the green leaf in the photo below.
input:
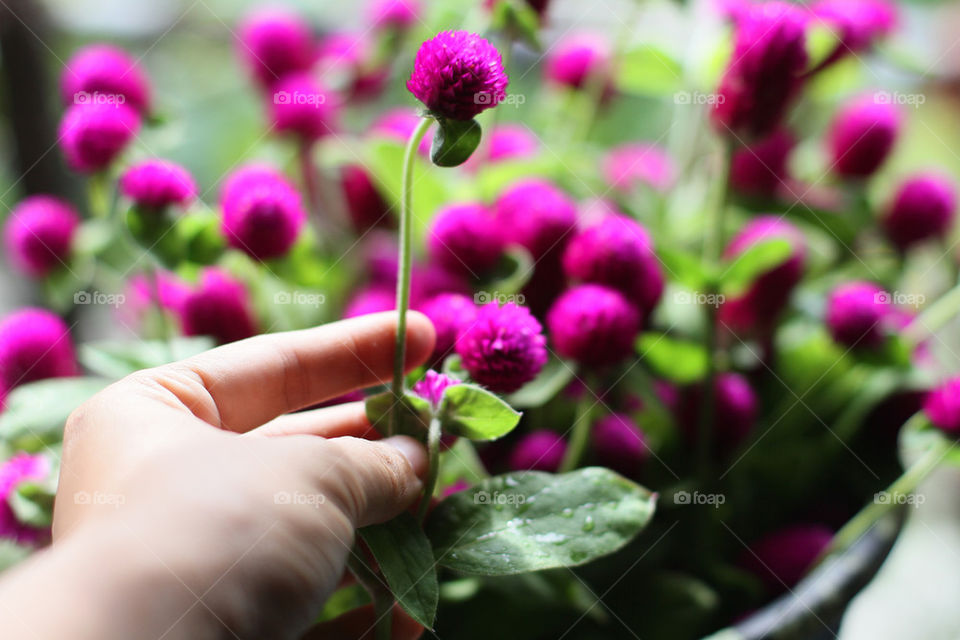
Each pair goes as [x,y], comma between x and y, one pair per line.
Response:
[116,359]
[512,272]
[680,361]
[754,262]
[36,412]
[648,70]
[455,141]
[403,552]
[199,232]
[414,419]
[343,600]
[684,269]
[522,522]
[551,380]
[476,414]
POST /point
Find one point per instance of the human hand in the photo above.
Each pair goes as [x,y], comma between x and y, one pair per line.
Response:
[217,515]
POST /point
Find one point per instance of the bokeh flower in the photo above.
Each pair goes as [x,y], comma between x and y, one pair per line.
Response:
[372,299]
[92,135]
[619,443]
[300,105]
[594,325]
[394,14]
[942,406]
[923,208]
[630,166]
[219,307]
[857,314]
[504,348]
[365,204]
[262,212]
[450,314]
[274,42]
[862,135]
[21,468]
[541,450]
[157,184]
[536,215]
[857,24]
[39,234]
[104,73]
[579,58]
[35,344]
[761,169]
[782,558]
[463,238]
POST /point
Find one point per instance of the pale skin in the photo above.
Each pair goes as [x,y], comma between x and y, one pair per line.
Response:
[212,513]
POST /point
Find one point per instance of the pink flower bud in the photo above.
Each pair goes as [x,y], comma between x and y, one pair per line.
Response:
[101,72]
[39,234]
[761,169]
[858,314]
[35,344]
[577,58]
[464,239]
[538,451]
[274,43]
[862,136]
[593,325]
[262,212]
[92,135]
[303,107]
[157,184]
[219,307]
[394,14]
[639,164]
[923,208]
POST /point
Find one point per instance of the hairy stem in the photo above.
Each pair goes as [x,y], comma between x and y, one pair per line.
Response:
[433,455]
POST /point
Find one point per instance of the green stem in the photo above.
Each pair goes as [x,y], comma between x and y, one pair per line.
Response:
[433,455]
[581,435]
[406,266]
[98,192]
[934,317]
[379,593]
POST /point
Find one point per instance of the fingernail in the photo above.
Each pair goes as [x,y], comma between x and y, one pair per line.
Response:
[412,450]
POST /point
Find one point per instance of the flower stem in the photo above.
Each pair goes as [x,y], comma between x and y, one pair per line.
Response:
[433,455]
[580,437]
[379,593]
[98,192]
[405,269]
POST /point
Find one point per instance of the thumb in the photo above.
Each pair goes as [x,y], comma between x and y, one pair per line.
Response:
[373,481]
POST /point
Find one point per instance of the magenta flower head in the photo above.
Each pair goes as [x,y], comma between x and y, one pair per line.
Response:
[782,558]
[451,314]
[93,135]
[767,296]
[457,75]
[366,206]
[394,14]
[432,386]
[39,234]
[578,58]
[35,344]
[273,43]
[761,168]
[619,443]
[858,24]
[862,135]
[262,212]
[942,406]
[431,280]
[373,299]
[536,215]
[639,164]
[857,314]
[617,252]
[218,307]
[21,468]
[541,450]
[504,348]
[736,408]
[103,73]
[303,107]
[923,208]
[464,239]
[593,325]
[764,74]
[158,184]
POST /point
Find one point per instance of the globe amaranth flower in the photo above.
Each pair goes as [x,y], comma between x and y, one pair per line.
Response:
[398,125]
[103,73]
[942,406]
[862,135]
[639,164]
[39,234]
[541,450]
[35,344]
[735,411]
[463,238]
[858,314]
[761,169]
[761,305]
[302,106]
[431,280]
[372,299]
[782,558]
[432,386]
[458,75]
[619,443]
[366,206]
[858,25]
[579,58]
[504,348]
[617,252]
[218,307]
[92,135]
[394,14]
[262,212]
[594,325]
[536,215]
[506,142]
[274,43]
[21,468]
[923,208]
[450,314]
[764,75]
[158,184]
